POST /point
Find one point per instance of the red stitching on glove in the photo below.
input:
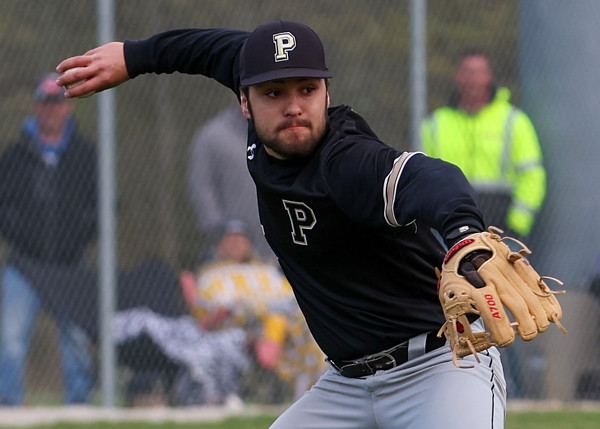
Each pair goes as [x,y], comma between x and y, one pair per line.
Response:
[456,248]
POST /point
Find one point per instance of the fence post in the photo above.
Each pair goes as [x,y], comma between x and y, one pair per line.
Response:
[418,69]
[107,271]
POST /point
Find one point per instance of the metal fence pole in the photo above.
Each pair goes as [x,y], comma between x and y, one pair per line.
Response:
[107,242]
[418,69]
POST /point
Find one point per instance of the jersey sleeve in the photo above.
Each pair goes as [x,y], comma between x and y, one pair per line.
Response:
[434,191]
[378,185]
[210,52]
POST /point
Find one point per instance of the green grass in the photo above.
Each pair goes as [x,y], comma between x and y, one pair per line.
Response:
[553,420]
[230,423]
[515,420]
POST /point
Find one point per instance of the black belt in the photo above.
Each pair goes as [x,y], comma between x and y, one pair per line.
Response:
[390,358]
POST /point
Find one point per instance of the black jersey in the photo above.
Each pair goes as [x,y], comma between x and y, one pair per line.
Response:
[352,224]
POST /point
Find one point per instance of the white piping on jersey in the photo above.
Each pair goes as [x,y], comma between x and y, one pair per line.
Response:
[390,186]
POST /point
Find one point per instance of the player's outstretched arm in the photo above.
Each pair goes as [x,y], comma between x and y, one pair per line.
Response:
[100,68]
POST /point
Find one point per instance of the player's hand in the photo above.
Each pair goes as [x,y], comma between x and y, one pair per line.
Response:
[100,68]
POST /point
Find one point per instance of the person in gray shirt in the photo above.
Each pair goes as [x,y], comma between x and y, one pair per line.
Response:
[219,183]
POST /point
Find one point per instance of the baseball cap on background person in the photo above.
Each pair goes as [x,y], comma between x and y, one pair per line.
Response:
[235,243]
[280,50]
[235,226]
[46,89]
[219,232]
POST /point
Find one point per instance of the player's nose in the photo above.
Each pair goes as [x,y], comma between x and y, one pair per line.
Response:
[293,105]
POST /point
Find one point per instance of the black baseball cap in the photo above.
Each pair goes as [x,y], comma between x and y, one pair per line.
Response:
[279,50]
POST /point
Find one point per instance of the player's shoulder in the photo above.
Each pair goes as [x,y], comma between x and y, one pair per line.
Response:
[348,131]
[346,122]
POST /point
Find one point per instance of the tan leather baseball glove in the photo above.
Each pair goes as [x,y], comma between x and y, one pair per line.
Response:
[481,276]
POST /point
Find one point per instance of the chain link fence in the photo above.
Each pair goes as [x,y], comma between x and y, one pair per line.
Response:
[161,235]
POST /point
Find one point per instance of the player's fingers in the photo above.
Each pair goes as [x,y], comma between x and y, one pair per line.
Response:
[81,88]
[75,74]
[72,62]
[99,69]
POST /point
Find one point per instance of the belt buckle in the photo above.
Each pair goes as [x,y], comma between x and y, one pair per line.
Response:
[368,365]
[384,365]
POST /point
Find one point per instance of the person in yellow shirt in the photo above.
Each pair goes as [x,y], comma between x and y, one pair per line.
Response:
[493,142]
[236,289]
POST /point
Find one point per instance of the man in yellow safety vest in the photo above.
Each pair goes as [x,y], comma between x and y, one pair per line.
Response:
[493,142]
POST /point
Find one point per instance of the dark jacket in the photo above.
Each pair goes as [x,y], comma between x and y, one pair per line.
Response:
[48,212]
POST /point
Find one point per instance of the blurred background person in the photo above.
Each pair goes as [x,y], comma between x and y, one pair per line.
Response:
[219,193]
[236,289]
[48,217]
[493,142]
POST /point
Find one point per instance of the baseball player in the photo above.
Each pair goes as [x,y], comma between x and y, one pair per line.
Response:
[351,221]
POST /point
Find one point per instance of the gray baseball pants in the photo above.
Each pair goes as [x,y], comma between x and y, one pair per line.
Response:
[427,392]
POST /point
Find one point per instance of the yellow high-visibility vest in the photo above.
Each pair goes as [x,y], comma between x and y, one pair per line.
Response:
[497,149]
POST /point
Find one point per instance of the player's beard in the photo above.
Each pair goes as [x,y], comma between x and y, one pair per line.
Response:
[294,146]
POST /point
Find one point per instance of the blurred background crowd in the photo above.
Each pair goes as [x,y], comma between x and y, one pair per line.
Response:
[203,315]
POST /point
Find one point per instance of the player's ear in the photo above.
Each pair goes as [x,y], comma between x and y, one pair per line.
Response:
[328,100]
[244,105]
